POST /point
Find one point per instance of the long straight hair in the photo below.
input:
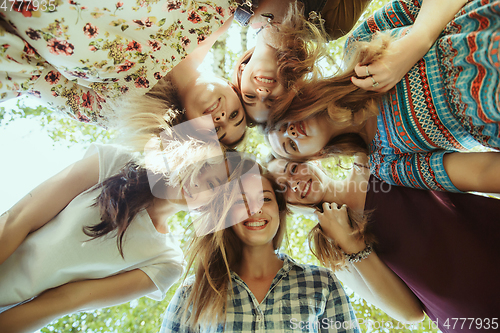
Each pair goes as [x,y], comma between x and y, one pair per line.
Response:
[144,116]
[215,254]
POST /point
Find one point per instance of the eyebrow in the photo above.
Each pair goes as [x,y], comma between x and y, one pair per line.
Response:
[286,166]
[249,104]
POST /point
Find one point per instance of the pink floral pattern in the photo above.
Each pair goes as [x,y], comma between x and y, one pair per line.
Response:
[90,30]
[83,55]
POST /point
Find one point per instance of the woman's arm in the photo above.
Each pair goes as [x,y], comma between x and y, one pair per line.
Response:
[73,297]
[379,285]
[478,172]
[198,55]
[370,277]
[44,202]
[402,54]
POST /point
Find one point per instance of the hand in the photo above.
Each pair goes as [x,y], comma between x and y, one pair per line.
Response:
[335,223]
[387,71]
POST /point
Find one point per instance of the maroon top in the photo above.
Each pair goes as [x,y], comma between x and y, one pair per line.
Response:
[445,246]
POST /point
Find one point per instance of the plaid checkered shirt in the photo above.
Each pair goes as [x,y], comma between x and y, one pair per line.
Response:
[302,298]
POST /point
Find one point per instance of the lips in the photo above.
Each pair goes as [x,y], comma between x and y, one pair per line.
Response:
[307,189]
[253,224]
[213,107]
[301,128]
[265,81]
[186,192]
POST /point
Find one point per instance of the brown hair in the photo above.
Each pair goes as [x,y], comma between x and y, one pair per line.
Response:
[326,249]
[341,16]
[215,254]
[122,197]
[337,97]
[299,44]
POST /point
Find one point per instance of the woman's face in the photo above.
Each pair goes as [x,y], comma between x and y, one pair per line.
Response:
[201,191]
[259,85]
[258,212]
[302,182]
[301,139]
[210,95]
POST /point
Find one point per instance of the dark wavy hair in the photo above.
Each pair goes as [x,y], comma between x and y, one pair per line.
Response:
[122,197]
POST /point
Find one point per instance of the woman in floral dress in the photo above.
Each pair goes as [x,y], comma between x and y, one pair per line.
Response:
[79,58]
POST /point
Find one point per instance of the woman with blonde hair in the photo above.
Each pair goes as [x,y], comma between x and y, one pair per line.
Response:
[241,284]
[414,133]
[76,242]
[88,60]
[435,242]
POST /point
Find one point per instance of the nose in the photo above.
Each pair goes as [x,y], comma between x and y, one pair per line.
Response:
[294,185]
[292,131]
[255,208]
[263,93]
[220,117]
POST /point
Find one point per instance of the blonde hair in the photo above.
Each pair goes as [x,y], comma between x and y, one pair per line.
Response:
[145,116]
[215,254]
[327,250]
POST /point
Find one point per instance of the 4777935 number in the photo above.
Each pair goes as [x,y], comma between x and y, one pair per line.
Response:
[468,323]
[25,6]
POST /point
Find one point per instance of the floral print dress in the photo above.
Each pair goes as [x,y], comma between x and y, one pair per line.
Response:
[80,57]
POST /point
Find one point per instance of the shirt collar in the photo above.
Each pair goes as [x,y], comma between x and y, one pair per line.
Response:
[288,265]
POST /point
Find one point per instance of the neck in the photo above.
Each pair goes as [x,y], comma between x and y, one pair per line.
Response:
[351,192]
[366,129]
[258,262]
[184,74]
[335,192]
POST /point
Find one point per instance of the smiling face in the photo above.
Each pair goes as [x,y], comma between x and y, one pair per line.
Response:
[301,139]
[209,95]
[260,203]
[302,182]
[259,85]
